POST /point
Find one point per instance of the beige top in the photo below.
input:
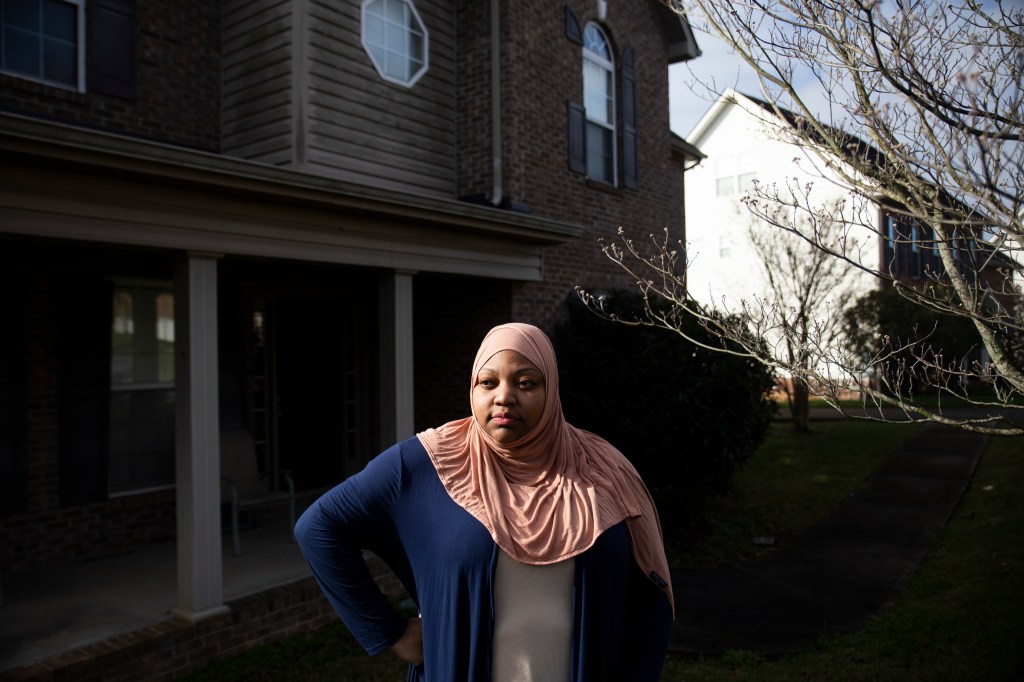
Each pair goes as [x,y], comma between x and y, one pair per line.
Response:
[532,621]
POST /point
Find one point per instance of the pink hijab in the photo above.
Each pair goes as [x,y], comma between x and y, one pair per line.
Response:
[547,496]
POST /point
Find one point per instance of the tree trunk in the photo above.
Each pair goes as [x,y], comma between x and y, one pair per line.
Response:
[799,406]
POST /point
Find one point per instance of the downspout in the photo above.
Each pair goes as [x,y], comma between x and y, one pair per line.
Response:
[497,195]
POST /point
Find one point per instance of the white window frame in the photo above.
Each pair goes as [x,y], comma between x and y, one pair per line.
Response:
[609,67]
[369,47]
[79,84]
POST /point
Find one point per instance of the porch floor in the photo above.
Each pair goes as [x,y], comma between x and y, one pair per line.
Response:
[50,611]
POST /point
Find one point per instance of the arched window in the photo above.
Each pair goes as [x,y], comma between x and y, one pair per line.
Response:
[599,104]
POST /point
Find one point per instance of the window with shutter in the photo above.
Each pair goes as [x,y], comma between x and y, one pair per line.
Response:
[42,40]
[572,27]
[577,138]
[112,47]
[629,158]
[599,105]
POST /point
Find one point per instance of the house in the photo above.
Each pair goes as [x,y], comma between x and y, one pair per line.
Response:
[737,134]
[746,145]
[295,221]
[740,135]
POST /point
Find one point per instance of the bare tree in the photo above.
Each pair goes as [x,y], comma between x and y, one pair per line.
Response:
[924,117]
[806,293]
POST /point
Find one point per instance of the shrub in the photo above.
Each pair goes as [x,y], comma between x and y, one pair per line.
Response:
[684,415]
[883,322]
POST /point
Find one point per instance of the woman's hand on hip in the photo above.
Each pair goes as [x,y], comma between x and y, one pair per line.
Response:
[409,646]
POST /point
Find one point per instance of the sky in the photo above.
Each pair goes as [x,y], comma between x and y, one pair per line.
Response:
[719,66]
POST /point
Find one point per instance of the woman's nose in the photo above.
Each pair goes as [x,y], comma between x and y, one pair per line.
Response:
[504,395]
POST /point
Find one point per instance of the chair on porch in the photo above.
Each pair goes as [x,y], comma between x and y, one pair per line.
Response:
[243,485]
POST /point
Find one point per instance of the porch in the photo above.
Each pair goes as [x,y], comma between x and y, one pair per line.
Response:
[73,615]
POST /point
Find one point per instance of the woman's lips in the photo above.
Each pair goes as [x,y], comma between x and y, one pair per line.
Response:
[504,419]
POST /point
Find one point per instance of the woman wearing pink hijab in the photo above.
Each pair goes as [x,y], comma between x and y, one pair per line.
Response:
[531,548]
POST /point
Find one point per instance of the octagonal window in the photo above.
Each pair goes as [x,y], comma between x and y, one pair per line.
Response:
[395,39]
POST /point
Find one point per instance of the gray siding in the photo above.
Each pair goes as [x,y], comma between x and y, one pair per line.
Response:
[300,91]
[257,82]
[364,129]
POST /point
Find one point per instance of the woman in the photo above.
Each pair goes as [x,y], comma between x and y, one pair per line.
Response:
[531,548]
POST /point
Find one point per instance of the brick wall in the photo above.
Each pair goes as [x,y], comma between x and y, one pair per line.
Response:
[473,98]
[59,534]
[45,533]
[176,647]
[542,70]
[178,82]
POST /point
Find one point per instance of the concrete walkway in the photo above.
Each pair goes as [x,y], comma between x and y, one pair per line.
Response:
[842,573]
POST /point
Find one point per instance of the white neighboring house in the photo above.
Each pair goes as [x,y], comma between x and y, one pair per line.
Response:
[723,267]
[740,137]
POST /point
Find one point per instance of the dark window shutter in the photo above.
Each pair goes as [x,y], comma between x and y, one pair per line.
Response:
[112,47]
[13,400]
[577,137]
[572,27]
[629,160]
[86,312]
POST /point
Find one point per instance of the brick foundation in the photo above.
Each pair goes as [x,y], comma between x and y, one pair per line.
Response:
[176,647]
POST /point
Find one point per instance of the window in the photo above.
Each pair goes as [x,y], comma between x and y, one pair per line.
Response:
[735,174]
[395,39]
[599,104]
[724,246]
[42,40]
[725,186]
[142,388]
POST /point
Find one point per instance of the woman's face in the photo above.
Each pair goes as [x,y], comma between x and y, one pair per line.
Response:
[508,396]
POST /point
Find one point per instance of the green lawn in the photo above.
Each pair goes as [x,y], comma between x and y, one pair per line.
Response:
[792,482]
[958,619]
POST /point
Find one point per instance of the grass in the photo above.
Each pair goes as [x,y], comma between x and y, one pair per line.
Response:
[330,653]
[791,483]
[959,618]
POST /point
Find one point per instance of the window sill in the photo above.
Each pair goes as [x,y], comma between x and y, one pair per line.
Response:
[603,187]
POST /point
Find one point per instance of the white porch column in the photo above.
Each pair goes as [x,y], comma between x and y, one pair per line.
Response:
[197,438]
[396,358]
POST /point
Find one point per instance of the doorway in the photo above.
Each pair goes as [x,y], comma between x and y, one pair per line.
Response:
[313,387]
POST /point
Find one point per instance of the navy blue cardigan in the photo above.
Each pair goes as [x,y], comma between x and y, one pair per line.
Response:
[397,508]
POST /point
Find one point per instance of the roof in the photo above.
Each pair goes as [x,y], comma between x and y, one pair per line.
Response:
[682,44]
[865,150]
[686,150]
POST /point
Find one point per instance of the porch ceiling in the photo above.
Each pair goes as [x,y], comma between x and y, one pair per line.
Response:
[66,182]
